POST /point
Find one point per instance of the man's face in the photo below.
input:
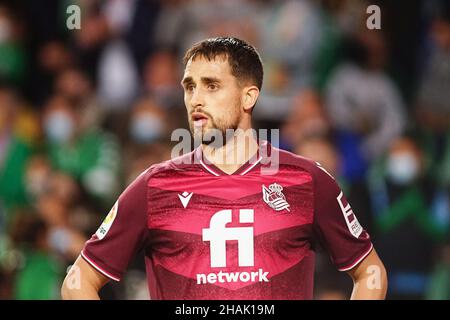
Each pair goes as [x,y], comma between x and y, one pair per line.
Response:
[212,96]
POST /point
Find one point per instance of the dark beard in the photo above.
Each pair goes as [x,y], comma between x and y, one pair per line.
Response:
[210,140]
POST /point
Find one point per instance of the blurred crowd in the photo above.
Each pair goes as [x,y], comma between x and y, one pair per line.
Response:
[83,112]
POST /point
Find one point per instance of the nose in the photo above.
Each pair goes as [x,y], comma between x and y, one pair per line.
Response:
[197,99]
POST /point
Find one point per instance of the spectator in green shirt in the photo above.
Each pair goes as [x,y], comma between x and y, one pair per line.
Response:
[14,153]
[39,276]
[88,154]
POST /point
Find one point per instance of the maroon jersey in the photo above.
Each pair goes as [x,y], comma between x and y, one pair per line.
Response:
[207,234]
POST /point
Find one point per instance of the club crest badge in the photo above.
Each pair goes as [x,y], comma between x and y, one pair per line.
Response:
[274,197]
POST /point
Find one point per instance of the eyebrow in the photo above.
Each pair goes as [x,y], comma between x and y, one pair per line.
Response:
[205,80]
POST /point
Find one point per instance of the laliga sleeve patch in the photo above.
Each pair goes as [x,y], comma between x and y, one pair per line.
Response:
[107,223]
[350,218]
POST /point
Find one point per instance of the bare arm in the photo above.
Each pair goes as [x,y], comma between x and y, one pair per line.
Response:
[369,279]
[82,282]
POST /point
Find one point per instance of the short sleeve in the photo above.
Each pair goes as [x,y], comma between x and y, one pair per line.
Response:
[122,234]
[336,225]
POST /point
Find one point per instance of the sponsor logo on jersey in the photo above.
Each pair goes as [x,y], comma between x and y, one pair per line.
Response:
[274,197]
[218,235]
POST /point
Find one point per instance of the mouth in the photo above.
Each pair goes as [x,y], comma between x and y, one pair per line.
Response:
[199,119]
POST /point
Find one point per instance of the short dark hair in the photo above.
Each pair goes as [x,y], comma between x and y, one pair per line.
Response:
[244,60]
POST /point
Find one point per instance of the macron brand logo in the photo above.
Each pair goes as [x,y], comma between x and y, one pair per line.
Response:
[185,197]
[217,235]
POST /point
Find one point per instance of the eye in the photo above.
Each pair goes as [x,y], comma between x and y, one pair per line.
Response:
[189,87]
[212,86]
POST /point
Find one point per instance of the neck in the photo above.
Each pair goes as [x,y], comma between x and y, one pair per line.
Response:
[237,151]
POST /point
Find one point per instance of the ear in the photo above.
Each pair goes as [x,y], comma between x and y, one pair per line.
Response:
[250,95]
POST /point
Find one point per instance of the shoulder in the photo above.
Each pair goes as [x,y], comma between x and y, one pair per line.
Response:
[300,163]
[287,158]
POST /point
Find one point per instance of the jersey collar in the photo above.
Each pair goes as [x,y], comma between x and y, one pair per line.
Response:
[253,162]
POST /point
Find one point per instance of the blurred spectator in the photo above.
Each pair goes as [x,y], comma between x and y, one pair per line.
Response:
[119,15]
[136,285]
[329,284]
[182,23]
[37,176]
[329,48]
[140,35]
[41,179]
[14,151]
[307,119]
[290,37]
[73,84]
[91,156]
[96,28]
[439,286]
[90,41]
[433,101]
[169,24]
[102,34]
[407,226]
[52,57]
[144,156]
[148,136]
[433,96]
[147,122]
[6,284]
[117,76]
[322,151]
[62,238]
[12,52]
[38,277]
[364,105]
[64,188]
[59,202]
[162,79]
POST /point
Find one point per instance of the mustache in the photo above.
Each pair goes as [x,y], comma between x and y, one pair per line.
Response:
[200,111]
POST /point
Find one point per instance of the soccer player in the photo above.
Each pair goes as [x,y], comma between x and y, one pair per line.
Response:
[215,229]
